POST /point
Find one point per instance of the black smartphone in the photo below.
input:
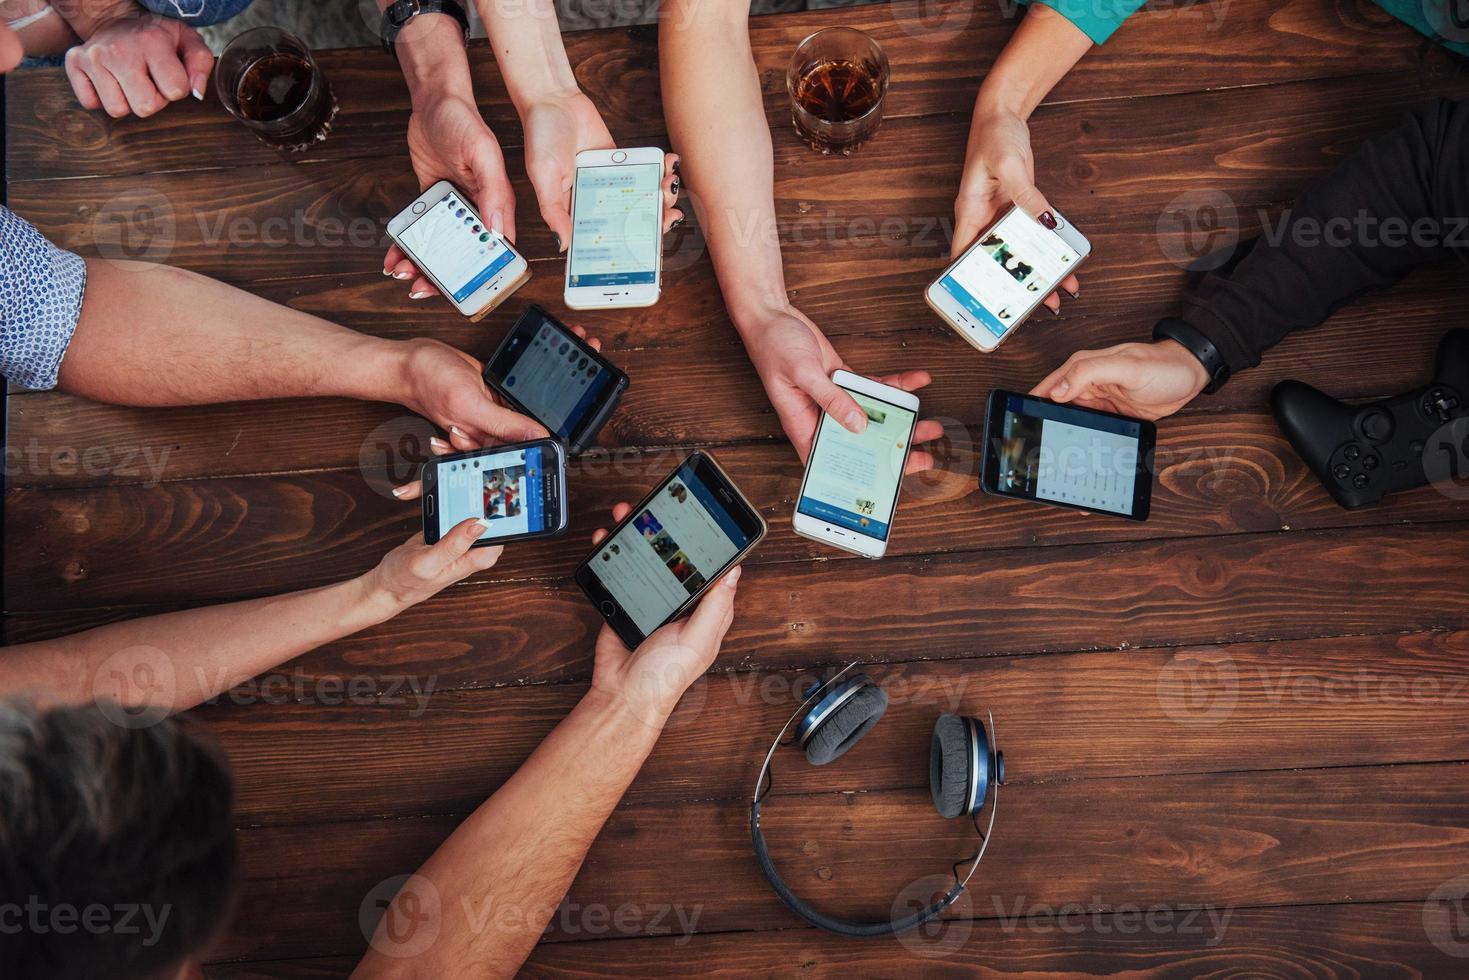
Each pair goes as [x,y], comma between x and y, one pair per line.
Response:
[1067,455]
[653,567]
[519,489]
[549,373]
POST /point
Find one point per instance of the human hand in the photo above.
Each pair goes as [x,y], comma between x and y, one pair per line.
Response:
[1146,381]
[456,398]
[557,128]
[138,63]
[999,169]
[795,362]
[449,140]
[414,571]
[650,680]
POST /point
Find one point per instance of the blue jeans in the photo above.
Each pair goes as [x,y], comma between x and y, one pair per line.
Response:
[199,13]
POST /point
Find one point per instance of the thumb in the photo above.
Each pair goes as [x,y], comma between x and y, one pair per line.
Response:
[450,548]
[197,59]
[1028,198]
[833,399]
[506,425]
[1085,375]
[493,194]
[706,628]
[969,220]
[558,219]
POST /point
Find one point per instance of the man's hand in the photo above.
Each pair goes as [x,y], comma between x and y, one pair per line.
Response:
[414,571]
[138,63]
[448,140]
[1146,381]
[446,386]
[999,169]
[461,440]
[795,362]
[650,680]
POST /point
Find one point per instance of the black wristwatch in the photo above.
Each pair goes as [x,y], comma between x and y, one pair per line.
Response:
[397,16]
[1179,331]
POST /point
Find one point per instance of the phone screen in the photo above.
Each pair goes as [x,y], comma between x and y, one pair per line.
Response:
[1067,455]
[852,478]
[449,241]
[507,488]
[1017,263]
[615,232]
[681,540]
[547,372]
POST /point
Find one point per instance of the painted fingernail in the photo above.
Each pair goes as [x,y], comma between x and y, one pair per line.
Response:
[388,273]
[678,221]
[402,275]
[1055,312]
[1073,293]
[438,443]
[456,430]
[673,187]
[558,240]
[676,165]
[398,491]
[732,577]
[497,223]
[196,86]
[1048,219]
[856,420]
[480,526]
[1062,387]
[417,294]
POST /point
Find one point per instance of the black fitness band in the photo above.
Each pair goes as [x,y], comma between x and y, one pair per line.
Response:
[397,15]
[1192,340]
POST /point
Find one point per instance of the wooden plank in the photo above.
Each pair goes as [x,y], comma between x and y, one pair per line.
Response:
[1246,587]
[1389,940]
[1127,164]
[222,538]
[1376,834]
[938,52]
[302,752]
[59,441]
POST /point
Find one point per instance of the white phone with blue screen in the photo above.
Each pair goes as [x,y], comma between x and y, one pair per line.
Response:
[850,490]
[616,254]
[471,264]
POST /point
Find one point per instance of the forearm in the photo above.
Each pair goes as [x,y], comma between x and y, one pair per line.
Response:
[156,335]
[87,16]
[528,48]
[716,119]
[1043,49]
[41,29]
[1400,201]
[177,660]
[500,876]
[431,52]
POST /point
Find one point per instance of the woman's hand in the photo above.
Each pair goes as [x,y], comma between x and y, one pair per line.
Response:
[650,680]
[414,571]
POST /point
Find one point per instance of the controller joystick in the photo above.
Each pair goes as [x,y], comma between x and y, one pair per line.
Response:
[1360,452]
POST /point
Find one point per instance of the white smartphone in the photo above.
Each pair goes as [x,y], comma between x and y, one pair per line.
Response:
[616,254]
[1013,266]
[850,489]
[474,267]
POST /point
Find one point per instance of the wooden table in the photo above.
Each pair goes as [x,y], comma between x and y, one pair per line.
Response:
[1248,716]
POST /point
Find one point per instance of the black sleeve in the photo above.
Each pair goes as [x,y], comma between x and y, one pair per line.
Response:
[1400,201]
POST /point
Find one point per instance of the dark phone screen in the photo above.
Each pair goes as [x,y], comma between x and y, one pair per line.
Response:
[1066,455]
[543,367]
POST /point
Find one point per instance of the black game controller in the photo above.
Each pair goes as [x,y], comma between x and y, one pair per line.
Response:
[1360,452]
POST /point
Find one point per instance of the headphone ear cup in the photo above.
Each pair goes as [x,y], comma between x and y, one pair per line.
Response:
[846,726]
[949,757]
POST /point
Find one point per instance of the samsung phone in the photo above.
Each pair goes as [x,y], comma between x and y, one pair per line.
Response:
[1066,455]
[520,490]
[474,267]
[616,254]
[547,372]
[654,566]
[850,489]
[1013,266]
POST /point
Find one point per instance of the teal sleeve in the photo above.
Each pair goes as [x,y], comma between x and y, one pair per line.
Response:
[1097,19]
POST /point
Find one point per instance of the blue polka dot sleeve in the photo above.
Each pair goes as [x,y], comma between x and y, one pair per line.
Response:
[41,290]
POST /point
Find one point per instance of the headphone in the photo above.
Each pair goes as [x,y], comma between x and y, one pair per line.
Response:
[963,769]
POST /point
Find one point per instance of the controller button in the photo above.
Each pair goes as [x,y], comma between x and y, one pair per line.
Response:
[1416,447]
[1352,452]
[1360,481]
[1377,425]
[1370,461]
[1342,471]
[1400,464]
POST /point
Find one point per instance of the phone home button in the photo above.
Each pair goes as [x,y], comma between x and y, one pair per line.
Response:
[619,157]
[419,207]
[609,608]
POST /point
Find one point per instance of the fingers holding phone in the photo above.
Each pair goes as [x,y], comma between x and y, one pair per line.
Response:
[442,237]
[414,571]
